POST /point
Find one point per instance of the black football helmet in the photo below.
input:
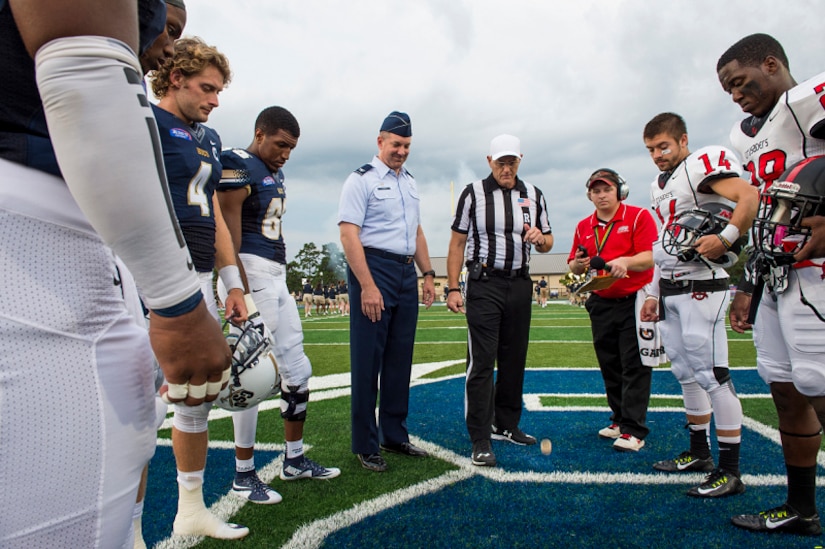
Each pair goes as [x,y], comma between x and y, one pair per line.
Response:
[798,193]
[690,226]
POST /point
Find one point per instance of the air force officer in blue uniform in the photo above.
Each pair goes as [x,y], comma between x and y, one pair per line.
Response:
[381,235]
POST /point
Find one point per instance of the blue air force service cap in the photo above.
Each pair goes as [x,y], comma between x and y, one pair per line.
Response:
[397,123]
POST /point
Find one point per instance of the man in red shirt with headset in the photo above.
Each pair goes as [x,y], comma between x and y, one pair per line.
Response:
[617,240]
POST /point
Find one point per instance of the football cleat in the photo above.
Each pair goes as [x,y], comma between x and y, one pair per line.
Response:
[303,467]
[611,431]
[718,484]
[514,435]
[628,443]
[685,463]
[780,519]
[252,488]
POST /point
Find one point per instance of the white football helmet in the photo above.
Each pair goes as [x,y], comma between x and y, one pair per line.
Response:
[254,376]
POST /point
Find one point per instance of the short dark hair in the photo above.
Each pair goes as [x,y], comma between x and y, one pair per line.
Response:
[751,50]
[666,122]
[272,119]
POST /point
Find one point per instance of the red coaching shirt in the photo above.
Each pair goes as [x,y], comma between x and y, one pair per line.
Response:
[631,231]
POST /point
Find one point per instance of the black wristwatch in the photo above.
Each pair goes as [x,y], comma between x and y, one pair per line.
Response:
[451,290]
[429,273]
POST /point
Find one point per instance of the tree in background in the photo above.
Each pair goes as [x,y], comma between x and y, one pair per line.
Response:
[326,265]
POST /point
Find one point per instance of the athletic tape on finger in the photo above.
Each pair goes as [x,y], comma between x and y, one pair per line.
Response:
[197,391]
[175,392]
[214,387]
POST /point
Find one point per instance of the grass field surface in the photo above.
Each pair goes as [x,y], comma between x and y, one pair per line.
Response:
[583,494]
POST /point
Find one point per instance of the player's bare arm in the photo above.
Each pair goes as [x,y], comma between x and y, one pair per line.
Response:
[226,263]
[746,197]
[739,309]
[52,28]
[815,247]
[40,21]
[372,302]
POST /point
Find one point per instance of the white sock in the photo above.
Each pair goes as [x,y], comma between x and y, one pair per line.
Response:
[294,449]
[245,465]
[194,519]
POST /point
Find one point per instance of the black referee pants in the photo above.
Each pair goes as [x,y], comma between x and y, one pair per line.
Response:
[498,322]
[626,380]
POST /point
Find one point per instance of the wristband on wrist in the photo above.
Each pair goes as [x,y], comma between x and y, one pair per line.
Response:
[656,297]
[729,235]
[231,277]
[429,273]
[451,290]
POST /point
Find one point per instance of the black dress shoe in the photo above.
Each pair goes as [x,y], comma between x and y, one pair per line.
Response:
[405,448]
[373,462]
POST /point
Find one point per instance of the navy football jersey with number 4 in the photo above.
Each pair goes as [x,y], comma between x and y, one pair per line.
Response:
[191,155]
[264,206]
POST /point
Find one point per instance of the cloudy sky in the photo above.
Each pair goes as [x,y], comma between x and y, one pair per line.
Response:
[575,80]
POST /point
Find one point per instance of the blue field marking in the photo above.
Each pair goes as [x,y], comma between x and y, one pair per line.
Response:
[437,415]
[746,381]
[604,498]
[480,514]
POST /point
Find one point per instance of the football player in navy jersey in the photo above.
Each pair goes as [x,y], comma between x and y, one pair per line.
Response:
[253,198]
[187,87]
[60,233]
[786,124]
[163,46]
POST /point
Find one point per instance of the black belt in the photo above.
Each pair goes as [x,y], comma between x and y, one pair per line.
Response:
[501,273]
[667,287]
[407,259]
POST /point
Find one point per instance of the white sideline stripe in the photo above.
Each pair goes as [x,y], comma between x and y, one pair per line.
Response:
[225,507]
[532,401]
[312,535]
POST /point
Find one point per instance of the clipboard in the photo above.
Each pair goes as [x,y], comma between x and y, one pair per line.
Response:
[597,283]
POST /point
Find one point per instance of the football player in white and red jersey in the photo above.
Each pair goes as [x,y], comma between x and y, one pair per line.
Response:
[786,125]
[694,296]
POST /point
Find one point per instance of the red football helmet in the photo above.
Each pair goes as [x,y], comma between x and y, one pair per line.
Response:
[797,194]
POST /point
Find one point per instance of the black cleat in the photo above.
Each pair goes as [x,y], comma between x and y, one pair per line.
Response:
[685,463]
[718,484]
[780,519]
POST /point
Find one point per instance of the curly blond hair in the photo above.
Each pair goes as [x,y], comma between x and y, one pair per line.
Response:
[192,56]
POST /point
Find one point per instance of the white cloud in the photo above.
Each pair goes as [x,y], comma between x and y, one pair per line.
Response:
[575,80]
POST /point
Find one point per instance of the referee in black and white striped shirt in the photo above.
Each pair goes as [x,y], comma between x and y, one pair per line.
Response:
[498,220]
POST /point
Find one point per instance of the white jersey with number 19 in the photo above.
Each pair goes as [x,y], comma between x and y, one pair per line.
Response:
[771,144]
